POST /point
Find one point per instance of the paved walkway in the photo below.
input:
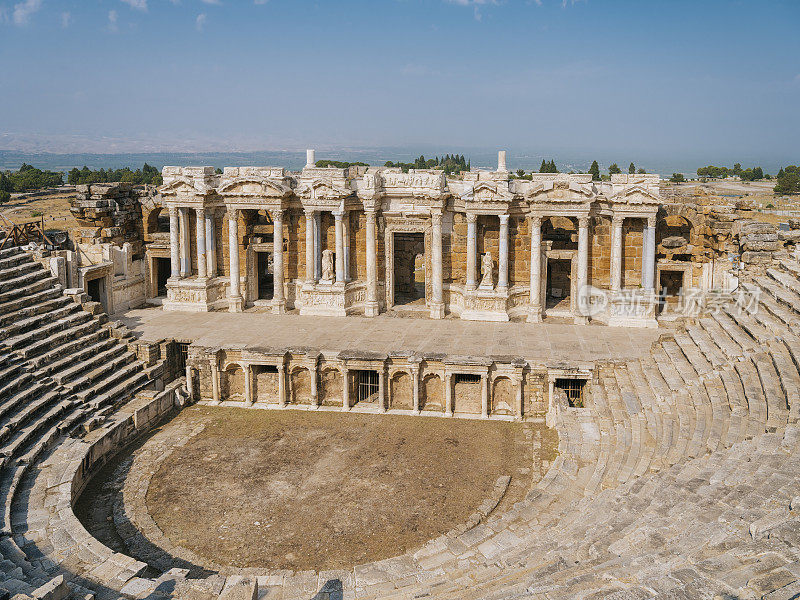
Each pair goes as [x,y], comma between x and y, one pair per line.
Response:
[542,343]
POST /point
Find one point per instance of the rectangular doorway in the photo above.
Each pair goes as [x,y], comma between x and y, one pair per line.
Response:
[264,274]
[96,290]
[409,268]
[366,385]
[559,282]
[670,286]
[163,269]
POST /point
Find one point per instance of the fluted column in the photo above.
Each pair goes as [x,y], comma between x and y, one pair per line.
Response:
[185,237]
[337,216]
[535,302]
[472,249]
[234,295]
[502,275]
[202,272]
[311,261]
[649,255]
[174,243]
[583,267]
[437,302]
[278,300]
[371,307]
[211,246]
[616,253]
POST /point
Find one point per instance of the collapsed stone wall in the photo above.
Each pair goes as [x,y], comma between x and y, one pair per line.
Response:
[109,213]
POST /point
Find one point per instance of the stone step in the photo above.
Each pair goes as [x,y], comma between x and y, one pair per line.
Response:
[723,341]
[790,266]
[41,320]
[8,389]
[46,306]
[694,353]
[682,365]
[787,280]
[23,294]
[14,422]
[53,409]
[753,392]
[735,331]
[61,354]
[789,374]
[59,338]
[28,339]
[15,285]
[11,404]
[661,416]
[46,292]
[667,368]
[777,406]
[21,268]
[727,427]
[10,251]
[134,380]
[88,379]
[13,260]
[779,294]
[125,370]
[84,359]
[752,424]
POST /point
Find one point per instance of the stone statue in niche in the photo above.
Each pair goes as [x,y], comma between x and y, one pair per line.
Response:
[487,266]
[327,266]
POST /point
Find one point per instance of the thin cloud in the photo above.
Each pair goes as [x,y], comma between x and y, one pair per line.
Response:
[66,19]
[200,22]
[24,10]
[257,2]
[112,21]
[213,2]
[137,4]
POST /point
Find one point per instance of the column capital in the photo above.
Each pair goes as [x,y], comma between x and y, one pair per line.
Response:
[583,222]
[472,217]
[651,221]
[173,211]
[201,211]
[233,214]
[436,217]
[617,220]
[277,213]
[504,219]
[536,220]
[338,214]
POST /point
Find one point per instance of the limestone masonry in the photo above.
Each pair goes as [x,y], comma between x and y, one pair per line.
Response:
[678,466]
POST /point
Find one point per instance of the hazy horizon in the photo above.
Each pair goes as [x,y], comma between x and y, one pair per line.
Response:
[662,82]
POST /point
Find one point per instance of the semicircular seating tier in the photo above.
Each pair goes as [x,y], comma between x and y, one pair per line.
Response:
[678,480]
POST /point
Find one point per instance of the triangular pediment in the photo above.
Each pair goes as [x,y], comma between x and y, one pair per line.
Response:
[180,185]
[256,187]
[323,190]
[637,194]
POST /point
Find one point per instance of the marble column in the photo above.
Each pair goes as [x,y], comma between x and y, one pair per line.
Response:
[282,382]
[518,408]
[616,253]
[314,372]
[649,255]
[202,271]
[278,299]
[211,246]
[371,306]
[234,295]
[484,395]
[437,302]
[345,389]
[311,260]
[382,388]
[174,243]
[502,263]
[337,216]
[472,249]
[583,268]
[318,245]
[190,382]
[185,237]
[535,302]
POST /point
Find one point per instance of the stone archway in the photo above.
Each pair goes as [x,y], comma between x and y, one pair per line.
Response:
[300,382]
[432,393]
[401,391]
[330,387]
[502,396]
[232,384]
[265,383]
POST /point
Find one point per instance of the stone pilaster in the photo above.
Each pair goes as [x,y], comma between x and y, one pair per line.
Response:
[472,249]
[345,388]
[278,299]
[414,364]
[649,255]
[248,384]
[215,391]
[282,382]
[502,263]
[317,245]
[437,302]
[448,394]
[535,302]
[382,388]
[174,243]
[235,303]
[484,395]
[371,306]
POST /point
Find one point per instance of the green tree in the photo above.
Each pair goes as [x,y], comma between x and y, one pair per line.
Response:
[614,169]
[595,171]
[737,169]
[543,167]
[677,178]
[788,180]
[631,169]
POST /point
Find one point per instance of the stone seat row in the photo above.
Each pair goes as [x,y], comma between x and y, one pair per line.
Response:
[59,367]
[678,480]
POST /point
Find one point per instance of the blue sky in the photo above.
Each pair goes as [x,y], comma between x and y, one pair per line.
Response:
[716,80]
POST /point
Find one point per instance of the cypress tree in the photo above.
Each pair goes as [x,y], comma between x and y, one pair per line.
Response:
[595,171]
